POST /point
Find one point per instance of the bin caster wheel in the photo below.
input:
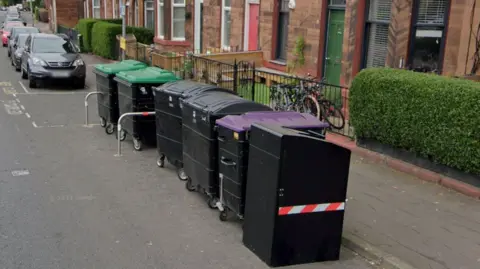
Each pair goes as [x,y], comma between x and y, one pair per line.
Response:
[212,203]
[110,128]
[137,144]
[123,135]
[223,215]
[103,122]
[181,174]
[189,186]
[161,161]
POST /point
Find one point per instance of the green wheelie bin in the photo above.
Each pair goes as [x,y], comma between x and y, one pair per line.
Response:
[136,94]
[107,99]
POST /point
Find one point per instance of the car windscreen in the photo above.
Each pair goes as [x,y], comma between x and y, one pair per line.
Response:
[52,45]
[21,40]
[25,30]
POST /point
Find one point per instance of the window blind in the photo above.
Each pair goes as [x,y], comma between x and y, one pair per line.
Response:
[379,14]
[432,11]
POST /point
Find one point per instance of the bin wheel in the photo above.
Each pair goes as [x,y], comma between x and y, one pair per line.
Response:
[223,215]
[161,161]
[189,185]
[212,202]
[103,122]
[181,174]
[123,135]
[137,144]
[110,128]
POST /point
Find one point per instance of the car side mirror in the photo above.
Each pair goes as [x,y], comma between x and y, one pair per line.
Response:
[24,24]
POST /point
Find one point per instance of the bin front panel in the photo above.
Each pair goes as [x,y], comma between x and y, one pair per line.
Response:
[308,190]
[169,136]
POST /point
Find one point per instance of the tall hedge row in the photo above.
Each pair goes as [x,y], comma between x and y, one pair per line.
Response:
[85,26]
[104,37]
[433,116]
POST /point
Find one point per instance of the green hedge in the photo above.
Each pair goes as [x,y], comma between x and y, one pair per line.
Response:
[433,116]
[85,26]
[104,37]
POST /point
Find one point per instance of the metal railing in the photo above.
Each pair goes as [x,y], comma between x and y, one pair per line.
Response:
[243,78]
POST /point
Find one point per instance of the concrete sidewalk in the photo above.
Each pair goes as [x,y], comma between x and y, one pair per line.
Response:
[421,223]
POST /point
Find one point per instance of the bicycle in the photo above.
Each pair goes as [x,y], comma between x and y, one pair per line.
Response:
[322,108]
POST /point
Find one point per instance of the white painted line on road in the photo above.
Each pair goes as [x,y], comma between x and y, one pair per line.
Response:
[23,87]
[14,95]
[22,107]
[18,173]
[18,100]
[34,124]
[12,108]
[28,115]
[53,93]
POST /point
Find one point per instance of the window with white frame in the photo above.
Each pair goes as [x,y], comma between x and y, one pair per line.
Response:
[137,17]
[149,15]
[161,19]
[178,19]
[378,22]
[226,23]
[96,9]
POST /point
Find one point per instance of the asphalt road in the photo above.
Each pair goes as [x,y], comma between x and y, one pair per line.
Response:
[67,202]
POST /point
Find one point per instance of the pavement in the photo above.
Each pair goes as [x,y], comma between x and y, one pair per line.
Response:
[67,202]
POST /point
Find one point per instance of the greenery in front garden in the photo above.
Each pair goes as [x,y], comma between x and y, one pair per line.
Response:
[433,116]
[85,27]
[262,92]
[104,37]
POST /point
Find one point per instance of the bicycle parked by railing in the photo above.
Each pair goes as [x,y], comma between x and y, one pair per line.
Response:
[307,97]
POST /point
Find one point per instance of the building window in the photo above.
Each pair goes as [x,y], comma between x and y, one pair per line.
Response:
[149,16]
[378,22]
[178,20]
[96,9]
[427,39]
[226,23]
[282,31]
[161,19]
[137,17]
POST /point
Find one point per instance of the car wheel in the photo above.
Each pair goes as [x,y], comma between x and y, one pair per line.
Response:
[79,84]
[24,74]
[31,82]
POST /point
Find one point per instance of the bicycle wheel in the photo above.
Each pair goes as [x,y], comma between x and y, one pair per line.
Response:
[311,106]
[332,115]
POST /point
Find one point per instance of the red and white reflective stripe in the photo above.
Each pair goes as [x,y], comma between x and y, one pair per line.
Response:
[303,209]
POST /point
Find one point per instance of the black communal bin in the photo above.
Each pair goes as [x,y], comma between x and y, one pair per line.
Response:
[200,144]
[107,100]
[295,197]
[168,115]
[136,94]
[233,145]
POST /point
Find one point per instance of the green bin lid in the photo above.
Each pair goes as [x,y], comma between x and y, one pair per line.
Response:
[153,75]
[127,65]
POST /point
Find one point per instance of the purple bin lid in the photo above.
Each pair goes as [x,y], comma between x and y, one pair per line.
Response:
[288,119]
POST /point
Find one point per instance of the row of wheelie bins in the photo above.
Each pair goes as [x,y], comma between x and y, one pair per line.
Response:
[272,169]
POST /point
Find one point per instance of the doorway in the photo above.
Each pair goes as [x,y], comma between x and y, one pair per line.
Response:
[253,23]
[334,45]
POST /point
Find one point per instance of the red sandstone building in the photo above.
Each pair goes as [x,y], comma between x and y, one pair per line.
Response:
[340,37]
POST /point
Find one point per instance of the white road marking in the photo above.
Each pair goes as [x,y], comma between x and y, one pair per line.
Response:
[34,124]
[28,115]
[12,108]
[53,93]
[23,87]
[22,107]
[18,100]
[18,173]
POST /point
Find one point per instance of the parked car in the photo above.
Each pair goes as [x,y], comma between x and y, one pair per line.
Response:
[18,45]
[18,30]
[50,57]
[14,19]
[6,31]
[3,8]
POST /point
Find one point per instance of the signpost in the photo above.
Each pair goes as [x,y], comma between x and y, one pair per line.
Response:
[123,45]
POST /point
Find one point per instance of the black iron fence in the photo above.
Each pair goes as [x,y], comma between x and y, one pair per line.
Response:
[71,33]
[258,84]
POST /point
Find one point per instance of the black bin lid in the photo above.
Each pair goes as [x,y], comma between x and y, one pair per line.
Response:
[222,103]
[186,88]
